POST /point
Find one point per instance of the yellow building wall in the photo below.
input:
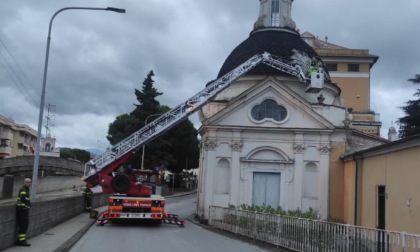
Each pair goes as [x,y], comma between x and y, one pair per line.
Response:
[336,180]
[349,192]
[399,172]
[354,90]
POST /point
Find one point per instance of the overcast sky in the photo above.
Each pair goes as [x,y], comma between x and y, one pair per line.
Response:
[98,58]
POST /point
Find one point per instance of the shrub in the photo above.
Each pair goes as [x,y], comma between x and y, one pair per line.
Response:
[311,214]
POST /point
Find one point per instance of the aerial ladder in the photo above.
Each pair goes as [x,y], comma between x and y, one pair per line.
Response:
[104,164]
[101,170]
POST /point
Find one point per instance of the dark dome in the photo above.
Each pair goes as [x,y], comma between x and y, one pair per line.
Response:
[280,43]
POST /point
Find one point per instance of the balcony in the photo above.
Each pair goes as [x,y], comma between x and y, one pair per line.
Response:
[6,135]
[5,151]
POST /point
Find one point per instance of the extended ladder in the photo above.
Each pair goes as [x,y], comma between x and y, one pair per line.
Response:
[182,111]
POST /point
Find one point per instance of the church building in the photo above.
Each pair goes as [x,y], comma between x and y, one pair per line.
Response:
[268,139]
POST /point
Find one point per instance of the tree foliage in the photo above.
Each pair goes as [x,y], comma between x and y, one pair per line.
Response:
[123,126]
[78,154]
[126,124]
[410,123]
[183,147]
[174,150]
[148,105]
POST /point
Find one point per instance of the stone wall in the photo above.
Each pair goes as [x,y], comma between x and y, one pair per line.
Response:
[44,184]
[23,164]
[43,215]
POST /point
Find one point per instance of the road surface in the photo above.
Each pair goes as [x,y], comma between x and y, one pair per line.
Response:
[160,238]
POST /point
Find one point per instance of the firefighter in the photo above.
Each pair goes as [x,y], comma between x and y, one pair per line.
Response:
[88,199]
[22,211]
[313,68]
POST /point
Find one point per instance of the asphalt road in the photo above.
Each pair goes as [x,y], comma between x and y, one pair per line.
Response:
[164,237]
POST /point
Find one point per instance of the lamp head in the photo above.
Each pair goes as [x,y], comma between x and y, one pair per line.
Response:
[115,9]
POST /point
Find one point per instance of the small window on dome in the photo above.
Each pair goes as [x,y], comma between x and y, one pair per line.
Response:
[269,109]
[275,13]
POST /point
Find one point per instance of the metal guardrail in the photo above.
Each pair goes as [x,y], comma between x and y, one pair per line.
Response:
[310,235]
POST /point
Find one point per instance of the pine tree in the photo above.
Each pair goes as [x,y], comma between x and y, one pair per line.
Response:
[127,124]
[410,124]
[175,149]
[148,105]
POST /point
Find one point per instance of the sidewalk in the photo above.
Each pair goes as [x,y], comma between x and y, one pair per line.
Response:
[63,236]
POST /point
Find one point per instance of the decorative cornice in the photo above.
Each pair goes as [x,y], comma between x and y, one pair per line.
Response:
[209,144]
[324,149]
[299,148]
[236,145]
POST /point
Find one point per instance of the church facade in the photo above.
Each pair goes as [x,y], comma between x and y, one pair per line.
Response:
[266,140]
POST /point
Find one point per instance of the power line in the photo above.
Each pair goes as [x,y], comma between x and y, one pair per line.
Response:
[14,81]
[15,77]
[18,66]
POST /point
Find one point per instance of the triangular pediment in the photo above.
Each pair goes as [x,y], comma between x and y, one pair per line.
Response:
[270,104]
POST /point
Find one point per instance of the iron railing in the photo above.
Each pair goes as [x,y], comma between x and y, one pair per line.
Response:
[310,235]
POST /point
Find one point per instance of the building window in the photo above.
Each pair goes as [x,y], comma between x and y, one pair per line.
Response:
[4,143]
[269,109]
[275,13]
[48,147]
[353,67]
[331,67]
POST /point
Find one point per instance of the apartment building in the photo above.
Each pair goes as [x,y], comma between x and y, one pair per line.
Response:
[16,139]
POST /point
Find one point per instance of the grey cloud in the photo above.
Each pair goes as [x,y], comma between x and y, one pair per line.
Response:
[97,59]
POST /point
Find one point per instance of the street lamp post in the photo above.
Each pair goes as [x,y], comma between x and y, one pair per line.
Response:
[144,146]
[44,82]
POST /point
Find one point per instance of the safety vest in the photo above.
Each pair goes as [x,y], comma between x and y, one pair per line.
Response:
[87,192]
[312,69]
[23,198]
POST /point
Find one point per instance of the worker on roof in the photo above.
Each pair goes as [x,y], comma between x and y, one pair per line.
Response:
[313,68]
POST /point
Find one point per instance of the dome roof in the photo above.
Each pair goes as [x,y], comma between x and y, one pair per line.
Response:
[283,43]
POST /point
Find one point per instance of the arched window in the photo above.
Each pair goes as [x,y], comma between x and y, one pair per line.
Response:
[269,109]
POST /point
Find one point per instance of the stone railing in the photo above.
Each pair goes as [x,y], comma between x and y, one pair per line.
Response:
[25,163]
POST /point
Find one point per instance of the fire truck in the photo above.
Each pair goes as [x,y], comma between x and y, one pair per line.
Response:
[136,194]
[140,202]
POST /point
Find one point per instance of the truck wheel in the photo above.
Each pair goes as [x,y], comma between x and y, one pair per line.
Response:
[120,183]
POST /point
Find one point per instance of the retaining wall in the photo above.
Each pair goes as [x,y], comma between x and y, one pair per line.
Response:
[43,215]
[10,185]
